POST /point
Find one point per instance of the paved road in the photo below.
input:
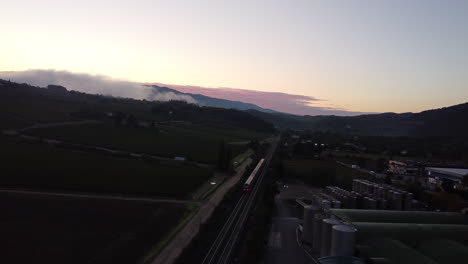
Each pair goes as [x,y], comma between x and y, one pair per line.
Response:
[283,245]
[176,246]
[375,174]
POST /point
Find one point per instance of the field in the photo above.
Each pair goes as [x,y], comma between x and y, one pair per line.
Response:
[193,142]
[322,172]
[34,110]
[40,166]
[40,229]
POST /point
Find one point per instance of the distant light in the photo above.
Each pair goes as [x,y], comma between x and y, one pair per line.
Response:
[316,144]
[212,183]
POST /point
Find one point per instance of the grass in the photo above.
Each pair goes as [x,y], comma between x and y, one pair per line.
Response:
[156,249]
[55,230]
[241,157]
[34,110]
[9,121]
[194,143]
[40,166]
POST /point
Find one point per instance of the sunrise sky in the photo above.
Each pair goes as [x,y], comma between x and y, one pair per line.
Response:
[361,56]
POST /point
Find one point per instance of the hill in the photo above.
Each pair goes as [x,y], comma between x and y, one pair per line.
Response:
[443,122]
[22,103]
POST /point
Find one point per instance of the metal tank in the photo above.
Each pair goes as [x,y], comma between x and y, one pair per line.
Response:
[317,232]
[308,227]
[327,225]
[343,240]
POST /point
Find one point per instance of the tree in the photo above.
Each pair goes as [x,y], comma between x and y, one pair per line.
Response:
[222,157]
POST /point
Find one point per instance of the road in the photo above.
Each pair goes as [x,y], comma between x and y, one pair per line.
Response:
[183,238]
[375,174]
[283,243]
[224,246]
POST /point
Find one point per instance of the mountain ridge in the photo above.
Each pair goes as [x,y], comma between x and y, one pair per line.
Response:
[440,122]
[204,100]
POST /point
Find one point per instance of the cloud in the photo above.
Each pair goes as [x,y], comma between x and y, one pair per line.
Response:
[282,102]
[99,84]
[156,95]
[94,84]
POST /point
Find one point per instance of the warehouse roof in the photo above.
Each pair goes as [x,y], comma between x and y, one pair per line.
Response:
[388,216]
[455,172]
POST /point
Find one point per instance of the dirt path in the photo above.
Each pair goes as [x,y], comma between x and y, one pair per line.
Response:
[176,246]
[83,122]
[100,196]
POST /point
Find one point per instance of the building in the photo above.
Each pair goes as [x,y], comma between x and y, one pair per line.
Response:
[453,177]
[408,170]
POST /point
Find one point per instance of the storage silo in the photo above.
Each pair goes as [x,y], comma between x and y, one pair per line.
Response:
[372,204]
[317,231]
[397,201]
[383,204]
[327,225]
[352,202]
[408,202]
[343,240]
[336,204]
[309,212]
[326,204]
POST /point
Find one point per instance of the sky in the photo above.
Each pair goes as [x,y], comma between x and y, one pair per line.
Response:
[354,55]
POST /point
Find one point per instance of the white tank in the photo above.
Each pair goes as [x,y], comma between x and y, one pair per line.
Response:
[372,204]
[308,226]
[336,204]
[327,225]
[326,204]
[408,202]
[345,201]
[343,240]
[397,201]
[376,190]
[381,194]
[317,232]
[352,202]
[390,195]
[383,205]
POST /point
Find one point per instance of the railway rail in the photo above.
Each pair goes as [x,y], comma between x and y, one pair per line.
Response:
[222,249]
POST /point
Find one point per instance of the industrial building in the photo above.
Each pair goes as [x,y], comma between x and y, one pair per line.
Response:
[403,168]
[436,176]
[363,233]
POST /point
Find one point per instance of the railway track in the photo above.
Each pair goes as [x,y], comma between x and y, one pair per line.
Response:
[223,247]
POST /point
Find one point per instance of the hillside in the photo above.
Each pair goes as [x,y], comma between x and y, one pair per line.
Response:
[22,104]
[443,122]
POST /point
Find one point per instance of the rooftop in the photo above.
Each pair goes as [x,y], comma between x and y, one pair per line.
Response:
[455,172]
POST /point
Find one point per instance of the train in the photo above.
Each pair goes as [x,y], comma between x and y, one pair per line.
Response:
[247,187]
